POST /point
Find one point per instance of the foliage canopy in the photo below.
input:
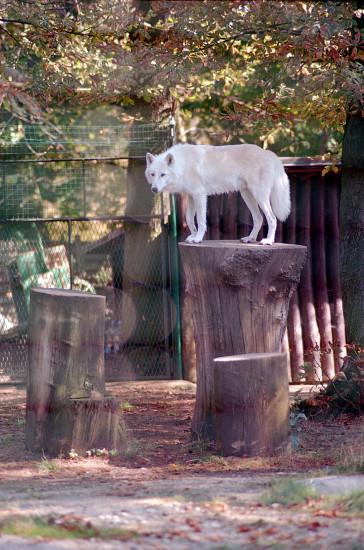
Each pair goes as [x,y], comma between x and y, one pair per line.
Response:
[271,68]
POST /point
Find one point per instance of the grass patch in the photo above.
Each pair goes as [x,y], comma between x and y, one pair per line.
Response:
[352,504]
[212,460]
[61,529]
[126,406]
[201,446]
[352,462]
[48,466]
[133,450]
[289,493]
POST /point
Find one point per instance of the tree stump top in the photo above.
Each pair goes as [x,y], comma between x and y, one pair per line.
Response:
[247,357]
[60,292]
[239,244]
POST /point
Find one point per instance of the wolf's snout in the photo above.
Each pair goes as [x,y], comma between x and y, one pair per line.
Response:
[155,189]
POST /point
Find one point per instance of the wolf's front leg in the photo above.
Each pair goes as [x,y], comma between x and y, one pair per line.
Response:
[200,203]
[190,219]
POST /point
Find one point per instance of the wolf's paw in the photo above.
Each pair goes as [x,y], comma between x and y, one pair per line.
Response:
[247,240]
[266,241]
[193,239]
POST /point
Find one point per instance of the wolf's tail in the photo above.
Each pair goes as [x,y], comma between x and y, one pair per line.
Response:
[280,195]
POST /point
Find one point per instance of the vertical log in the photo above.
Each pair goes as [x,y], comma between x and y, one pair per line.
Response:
[229,215]
[244,219]
[294,327]
[213,217]
[240,296]
[279,232]
[333,269]
[319,277]
[311,335]
[252,404]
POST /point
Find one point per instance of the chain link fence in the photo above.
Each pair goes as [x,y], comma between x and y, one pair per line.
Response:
[63,225]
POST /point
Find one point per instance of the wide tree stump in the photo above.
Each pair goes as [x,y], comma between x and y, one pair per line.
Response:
[84,424]
[240,297]
[252,404]
[66,403]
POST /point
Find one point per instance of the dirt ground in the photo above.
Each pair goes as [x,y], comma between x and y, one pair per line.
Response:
[166,491]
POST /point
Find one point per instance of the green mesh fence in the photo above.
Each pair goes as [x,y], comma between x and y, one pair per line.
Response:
[125,140]
[62,225]
[71,172]
[62,189]
[93,256]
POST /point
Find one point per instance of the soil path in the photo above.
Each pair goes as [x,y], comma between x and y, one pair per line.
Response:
[168,493]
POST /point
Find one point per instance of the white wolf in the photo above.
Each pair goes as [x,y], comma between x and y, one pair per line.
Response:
[202,170]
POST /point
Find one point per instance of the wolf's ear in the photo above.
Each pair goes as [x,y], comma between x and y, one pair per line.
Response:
[150,158]
[170,159]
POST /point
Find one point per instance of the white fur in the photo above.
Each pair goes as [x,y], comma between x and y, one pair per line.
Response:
[202,170]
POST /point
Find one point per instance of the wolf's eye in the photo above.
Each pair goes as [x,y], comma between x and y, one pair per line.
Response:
[162,175]
[152,174]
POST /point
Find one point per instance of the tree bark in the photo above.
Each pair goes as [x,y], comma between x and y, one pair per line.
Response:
[84,424]
[252,404]
[144,274]
[352,228]
[240,295]
[66,378]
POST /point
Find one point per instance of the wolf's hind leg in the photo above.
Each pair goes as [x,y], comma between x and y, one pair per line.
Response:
[255,212]
[272,222]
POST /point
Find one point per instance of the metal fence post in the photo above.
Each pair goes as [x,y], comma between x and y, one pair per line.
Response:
[69,224]
[4,193]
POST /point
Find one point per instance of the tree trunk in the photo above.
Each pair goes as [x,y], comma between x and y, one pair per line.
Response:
[252,404]
[240,296]
[66,403]
[352,228]
[144,273]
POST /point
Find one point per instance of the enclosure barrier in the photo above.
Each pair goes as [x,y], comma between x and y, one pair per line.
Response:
[64,224]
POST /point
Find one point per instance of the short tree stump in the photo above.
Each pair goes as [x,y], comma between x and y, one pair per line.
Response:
[67,406]
[252,404]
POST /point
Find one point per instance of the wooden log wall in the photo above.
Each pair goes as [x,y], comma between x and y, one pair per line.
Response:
[315,328]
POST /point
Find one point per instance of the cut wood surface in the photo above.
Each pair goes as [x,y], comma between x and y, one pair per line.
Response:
[252,404]
[240,296]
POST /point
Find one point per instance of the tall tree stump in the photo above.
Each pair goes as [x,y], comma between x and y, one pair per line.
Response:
[252,404]
[240,297]
[67,406]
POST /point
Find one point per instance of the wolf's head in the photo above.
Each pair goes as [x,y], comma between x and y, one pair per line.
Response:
[160,172]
